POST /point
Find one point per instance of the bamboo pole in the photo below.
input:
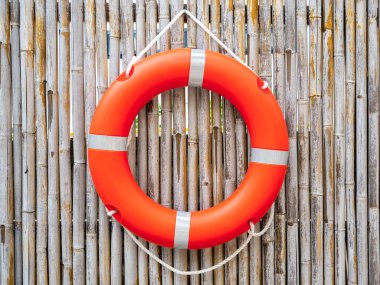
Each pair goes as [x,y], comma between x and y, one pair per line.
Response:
[41,143]
[64,142]
[217,146]
[89,61]
[153,140]
[279,90]
[361,141]
[17,136]
[142,143]
[339,144]
[265,72]
[203,108]
[373,143]
[7,273]
[79,168]
[130,249]
[114,70]
[229,140]
[316,151]
[54,238]
[28,130]
[193,144]
[253,62]
[328,147]
[291,181]
[350,142]
[102,84]
[303,142]
[179,143]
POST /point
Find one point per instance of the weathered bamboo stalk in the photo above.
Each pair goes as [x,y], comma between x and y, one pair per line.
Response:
[54,238]
[328,147]
[361,141]
[193,144]
[102,84]
[203,106]
[303,142]
[279,90]
[28,130]
[114,70]
[153,185]
[253,62]
[6,164]
[217,146]
[316,151]
[350,143]
[64,142]
[179,143]
[142,146]
[291,180]
[373,143]
[17,136]
[229,140]
[41,143]
[265,72]
[130,249]
[89,61]
[79,150]
[339,144]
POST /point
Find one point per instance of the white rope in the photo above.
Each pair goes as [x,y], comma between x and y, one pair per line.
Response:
[251,234]
[199,23]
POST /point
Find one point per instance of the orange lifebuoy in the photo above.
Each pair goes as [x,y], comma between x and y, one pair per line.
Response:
[113,118]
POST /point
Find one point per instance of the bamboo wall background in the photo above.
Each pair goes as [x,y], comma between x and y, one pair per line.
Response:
[321,58]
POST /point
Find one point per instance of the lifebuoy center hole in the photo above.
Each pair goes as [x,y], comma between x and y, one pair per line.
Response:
[191,149]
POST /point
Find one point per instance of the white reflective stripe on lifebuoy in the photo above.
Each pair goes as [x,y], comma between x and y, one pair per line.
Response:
[197,67]
[107,142]
[269,156]
[182,229]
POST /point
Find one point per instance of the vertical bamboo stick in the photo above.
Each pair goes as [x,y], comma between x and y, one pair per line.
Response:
[328,149]
[153,140]
[217,146]
[265,72]
[142,146]
[41,143]
[193,144]
[339,143]
[279,90]
[130,249]
[89,61]
[6,165]
[114,70]
[79,168]
[229,140]
[361,140]
[203,106]
[179,143]
[373,143]
[253,62]
[303,142]
[102,84]
[28,130]
[291,180]
[350,142]
[17,136]
[64,141]
[54,238]
[316,152]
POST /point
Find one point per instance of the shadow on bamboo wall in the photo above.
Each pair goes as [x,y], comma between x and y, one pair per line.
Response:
[189,146]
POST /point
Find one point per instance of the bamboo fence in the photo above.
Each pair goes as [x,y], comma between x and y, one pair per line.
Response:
[189,147]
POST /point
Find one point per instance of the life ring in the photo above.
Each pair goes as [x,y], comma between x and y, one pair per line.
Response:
[113,118]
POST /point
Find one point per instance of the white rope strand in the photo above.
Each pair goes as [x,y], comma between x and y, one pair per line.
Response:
[251,234]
